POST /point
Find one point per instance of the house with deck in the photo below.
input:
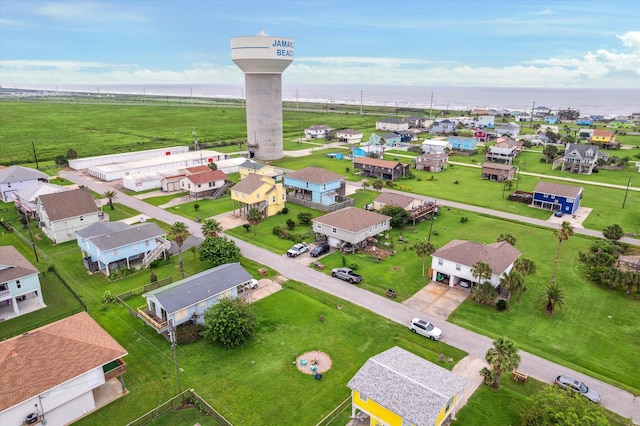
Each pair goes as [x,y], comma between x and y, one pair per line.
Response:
[380,169]
[64,213]
[392,124]
[557,197]
[317,132]
[407,202]
[485,122]
[349,135]
[208,183]
[511,130]
[580,158]
[261,192]
[453,262]
[497,154]
[481,135]
[109,246]
[188,299]
[498,172]
[20,291]
[13,178]
[397,387]
[60,372]
[388,140]
[463,143]
[605,139]
[430,146]
[315,184]
[442,127]
[507,142]
[350,226]
[26,198]
[432,162]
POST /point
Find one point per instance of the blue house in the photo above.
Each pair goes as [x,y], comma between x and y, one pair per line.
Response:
[386,139]
[442,127]
[462,143]
[19,284]
[316,185]
[188,299]
[584,121]
[108,246]
[366,150]
[557,197]
[551,119]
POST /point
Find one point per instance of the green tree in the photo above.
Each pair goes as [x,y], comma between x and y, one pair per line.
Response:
[213,166]
[563,234]
[508,238]
[484,293]
[230,322]
[366,185]
[552,298]
[179,234]
[561,407]
[550,152]
[424,249]
[211,228]
[378,185]
[72,154]
[481,271]
[399,216]
[218,251]
[512,281]
[305,218]
[254,217]
[110,196]
[525,267]
[503,356]
[613,232]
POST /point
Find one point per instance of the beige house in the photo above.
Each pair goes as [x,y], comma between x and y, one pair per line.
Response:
[63,213]
[261,192]
[350,226]
[393,199]
[498,172]
[251,167]
[349,136]
[392,124]
[432,162]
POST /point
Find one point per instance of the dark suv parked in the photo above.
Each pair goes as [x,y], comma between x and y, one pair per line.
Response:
[320,249]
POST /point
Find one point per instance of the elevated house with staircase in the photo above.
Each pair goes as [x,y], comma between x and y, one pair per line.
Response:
[109,246]
[580,159]
[205,184]
[261,192]
[316,185]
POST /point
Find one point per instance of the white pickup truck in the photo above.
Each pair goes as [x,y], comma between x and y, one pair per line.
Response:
[298,249]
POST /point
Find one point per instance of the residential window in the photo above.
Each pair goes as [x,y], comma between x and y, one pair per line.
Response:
[273,199]
[146,243]
[334,230]
[257,195]
[180,315]
[115,252]
[18,284]
[457,267]
[364,398]
[81,218]
[319,225]
[440,262]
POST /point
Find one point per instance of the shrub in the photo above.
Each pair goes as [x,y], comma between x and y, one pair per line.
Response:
[276,231]
[464,219]
[196,206]
[305,218]
[285,210]
[153,277]
[291,224]
[502,305]
[354,266]
[247,227]
[189,333]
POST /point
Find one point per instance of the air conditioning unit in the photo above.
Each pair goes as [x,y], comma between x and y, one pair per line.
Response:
[31,418]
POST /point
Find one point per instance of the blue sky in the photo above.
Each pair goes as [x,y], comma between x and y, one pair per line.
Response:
[513,43]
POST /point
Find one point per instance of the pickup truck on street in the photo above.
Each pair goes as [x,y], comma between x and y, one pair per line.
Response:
[346,274]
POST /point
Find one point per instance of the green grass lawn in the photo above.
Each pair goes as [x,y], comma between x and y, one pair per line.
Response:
[206,208]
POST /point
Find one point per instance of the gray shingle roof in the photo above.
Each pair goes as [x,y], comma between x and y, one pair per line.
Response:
[410,386]
[130,235]
[581,150]
[314,175]
[561,189]
[497,255]
[199,287]
[19,174]
[395,199]
[251,183]
[67,204]
[101,228]
[388,164]
[352,219]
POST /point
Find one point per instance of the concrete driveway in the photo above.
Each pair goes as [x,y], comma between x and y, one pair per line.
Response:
[438,299]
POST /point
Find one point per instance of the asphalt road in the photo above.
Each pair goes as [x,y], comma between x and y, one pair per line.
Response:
[614,399]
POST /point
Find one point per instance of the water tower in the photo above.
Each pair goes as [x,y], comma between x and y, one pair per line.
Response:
[263,58]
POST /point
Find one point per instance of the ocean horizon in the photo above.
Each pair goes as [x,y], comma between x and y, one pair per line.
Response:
[607,102]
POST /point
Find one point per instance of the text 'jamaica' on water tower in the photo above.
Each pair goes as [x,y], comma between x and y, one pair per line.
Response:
[263,58]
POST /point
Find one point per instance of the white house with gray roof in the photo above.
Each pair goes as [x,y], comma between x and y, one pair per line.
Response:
[580,158]
[63,213]
[397,387]
[350,225]
[188,299]
[15,177]
[108,246]
[453,262]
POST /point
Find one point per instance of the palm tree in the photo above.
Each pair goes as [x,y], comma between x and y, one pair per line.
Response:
[562,234]
[552,298]
[211,227]
[507,236]
[365,185]
[254,217]
[503,356]
[179,234]
[110,196]
[424,249]
[525,267]
[512,281]
[481,271]
[378,185]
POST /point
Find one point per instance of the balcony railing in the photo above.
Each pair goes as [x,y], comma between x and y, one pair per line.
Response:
[151,319]
[116,372]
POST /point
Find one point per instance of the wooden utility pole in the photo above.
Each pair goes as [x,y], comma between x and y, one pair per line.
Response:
[626,192]
[35,156]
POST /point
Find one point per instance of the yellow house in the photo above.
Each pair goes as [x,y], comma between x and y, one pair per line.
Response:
[398,388]
[251,167]
[261,192]
[605,139]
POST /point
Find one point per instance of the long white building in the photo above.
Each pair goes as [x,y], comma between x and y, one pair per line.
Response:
[85,163]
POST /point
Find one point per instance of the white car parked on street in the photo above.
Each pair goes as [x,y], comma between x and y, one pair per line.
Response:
[425,329]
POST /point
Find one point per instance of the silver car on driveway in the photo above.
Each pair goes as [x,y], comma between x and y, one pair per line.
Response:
[577,386]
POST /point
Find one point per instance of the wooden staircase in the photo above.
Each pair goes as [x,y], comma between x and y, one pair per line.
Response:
[162,244]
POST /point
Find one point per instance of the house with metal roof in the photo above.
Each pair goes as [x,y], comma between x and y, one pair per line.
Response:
[19,284]
[397,387]
[64,213]
[188,299]
[60,372]
[557,197]
[316,185]
[109,246]
[453,262]
[350,226]
[261,192]
[13,178]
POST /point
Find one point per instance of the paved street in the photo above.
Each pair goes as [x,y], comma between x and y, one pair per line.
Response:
[614,399]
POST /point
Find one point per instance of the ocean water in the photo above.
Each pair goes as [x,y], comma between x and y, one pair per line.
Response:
[607,102]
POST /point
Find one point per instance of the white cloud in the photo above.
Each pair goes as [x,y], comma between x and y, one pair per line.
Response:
[631,40]
[81,12]
[543,12]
